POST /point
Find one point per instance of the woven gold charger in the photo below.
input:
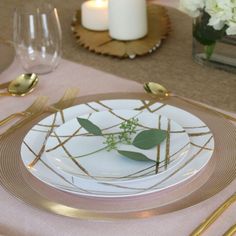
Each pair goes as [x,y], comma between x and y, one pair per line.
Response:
[102,43]
[219,173]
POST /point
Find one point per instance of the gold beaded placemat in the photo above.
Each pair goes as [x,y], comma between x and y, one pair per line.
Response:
[102,43]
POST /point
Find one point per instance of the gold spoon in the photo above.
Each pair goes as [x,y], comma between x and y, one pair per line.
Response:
[160,92]
[22,85]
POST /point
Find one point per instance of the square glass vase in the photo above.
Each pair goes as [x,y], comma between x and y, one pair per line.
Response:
[223,56]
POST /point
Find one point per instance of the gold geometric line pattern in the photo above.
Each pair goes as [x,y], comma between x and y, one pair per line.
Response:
[148,105]
[62,177]
[62,116]
[134,175]
[181,167]
[87,134]
[71,157]
[206,148]
[199,134]
[142,189]
[87,104]
[65,141]
[195,127]
[103,105]
[167,159]
[50,168]
[159,108]
[151,172]
[38,156]
[158,147]
[47,126]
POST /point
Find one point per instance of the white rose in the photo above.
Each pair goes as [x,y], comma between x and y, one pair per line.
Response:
[232,28]
[222,12]
[192,7]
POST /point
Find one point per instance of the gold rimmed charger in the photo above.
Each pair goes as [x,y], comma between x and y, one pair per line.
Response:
[221,170]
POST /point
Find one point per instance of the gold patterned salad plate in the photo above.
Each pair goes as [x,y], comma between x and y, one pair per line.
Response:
[67,152]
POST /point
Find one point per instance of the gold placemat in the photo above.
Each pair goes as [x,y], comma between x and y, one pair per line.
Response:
[102,43]
[220,172]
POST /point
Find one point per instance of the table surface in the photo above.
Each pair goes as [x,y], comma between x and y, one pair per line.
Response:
[18,219]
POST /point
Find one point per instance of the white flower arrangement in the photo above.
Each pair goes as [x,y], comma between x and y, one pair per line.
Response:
[222,13]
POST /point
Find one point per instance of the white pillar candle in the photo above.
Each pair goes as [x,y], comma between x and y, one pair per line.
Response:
[127,19]
[94,15]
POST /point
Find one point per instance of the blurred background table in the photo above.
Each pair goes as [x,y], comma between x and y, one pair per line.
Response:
[171,65]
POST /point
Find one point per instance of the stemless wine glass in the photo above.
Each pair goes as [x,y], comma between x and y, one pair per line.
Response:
[37,37]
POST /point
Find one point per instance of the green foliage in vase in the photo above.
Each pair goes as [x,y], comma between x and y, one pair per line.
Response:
[206,34]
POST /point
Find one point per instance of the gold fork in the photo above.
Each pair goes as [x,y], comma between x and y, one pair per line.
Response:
[214,216]
[67,100]
[36,106]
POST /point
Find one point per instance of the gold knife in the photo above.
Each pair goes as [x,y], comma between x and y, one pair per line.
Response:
[231,231]
[214,216]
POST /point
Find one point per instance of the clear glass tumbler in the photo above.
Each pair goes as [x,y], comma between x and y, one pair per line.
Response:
[37,37]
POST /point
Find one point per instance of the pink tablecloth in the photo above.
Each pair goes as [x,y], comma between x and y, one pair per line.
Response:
[18,219]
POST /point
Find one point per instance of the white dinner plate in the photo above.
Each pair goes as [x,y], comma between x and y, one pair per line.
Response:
[36,161]
[81,154]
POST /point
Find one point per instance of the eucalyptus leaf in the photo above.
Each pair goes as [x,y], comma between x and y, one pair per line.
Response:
[89,126]
[134,155]
[148,139]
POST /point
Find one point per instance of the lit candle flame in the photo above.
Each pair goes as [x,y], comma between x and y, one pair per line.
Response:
[99,2]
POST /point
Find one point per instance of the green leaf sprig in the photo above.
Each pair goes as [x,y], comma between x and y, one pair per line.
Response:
[127,128]
[145,140]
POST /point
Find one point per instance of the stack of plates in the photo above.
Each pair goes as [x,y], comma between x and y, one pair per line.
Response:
[62,154]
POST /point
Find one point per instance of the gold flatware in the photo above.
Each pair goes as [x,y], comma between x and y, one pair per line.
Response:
[4,85]
[39,107]
[34,110]
[67,100]
[214,216]
[231,231]
[160,92]
[21,86]
[36,107]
